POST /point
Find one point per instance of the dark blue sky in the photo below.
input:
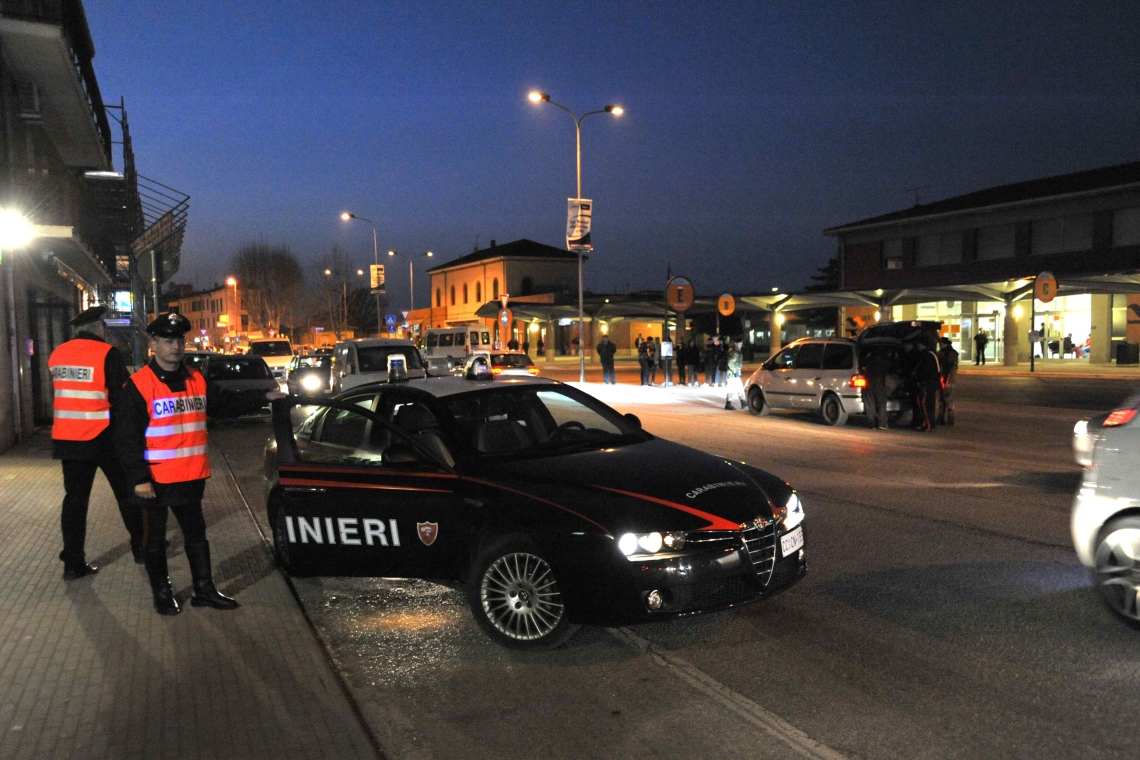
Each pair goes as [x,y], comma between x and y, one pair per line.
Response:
[749,126]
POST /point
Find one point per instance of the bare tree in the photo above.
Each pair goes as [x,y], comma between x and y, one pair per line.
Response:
[272,280]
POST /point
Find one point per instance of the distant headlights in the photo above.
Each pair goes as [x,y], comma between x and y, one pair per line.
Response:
[311,383]
[793,512]
[650,543]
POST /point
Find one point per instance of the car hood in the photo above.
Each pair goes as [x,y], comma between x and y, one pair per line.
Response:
[657,485]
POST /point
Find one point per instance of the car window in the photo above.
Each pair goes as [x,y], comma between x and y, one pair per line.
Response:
[342,436]
[234,368]
[446,339]
[196,361]
[460,338]
[375,358]
[271,348]
[783,360]
[810,356]
[838,356]
[432,340]
[530,422]
[510,360]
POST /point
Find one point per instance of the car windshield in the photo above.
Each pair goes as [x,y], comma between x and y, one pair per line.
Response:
[510,360]
[238,368]
[524,422]
[315,360]
[375,358]
[196,361]
[271,348]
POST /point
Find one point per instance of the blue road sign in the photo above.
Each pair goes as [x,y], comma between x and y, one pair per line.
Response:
[391,320]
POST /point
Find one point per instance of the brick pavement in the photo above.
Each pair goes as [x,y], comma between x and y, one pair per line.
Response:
[89,670]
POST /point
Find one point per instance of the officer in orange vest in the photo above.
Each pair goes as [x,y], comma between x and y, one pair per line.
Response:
[160,431]
[87,376]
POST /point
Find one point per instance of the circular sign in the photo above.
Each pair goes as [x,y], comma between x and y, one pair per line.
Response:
[679,294]
[1045,287]
[506,317]
[726,305]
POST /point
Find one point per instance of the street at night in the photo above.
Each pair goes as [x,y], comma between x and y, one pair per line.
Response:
[944,613]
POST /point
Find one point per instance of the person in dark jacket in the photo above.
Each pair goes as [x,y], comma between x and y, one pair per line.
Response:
[710,361]
[722,351]
[877,364]
[653,354]
[927,383]
[980,342]
[643,360]
[87,377]
[160,432]
[606,350]
[692,359]
[948,363]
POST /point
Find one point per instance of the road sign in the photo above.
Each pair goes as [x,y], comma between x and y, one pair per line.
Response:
[1045,288]
[506,317]
[726,305]
[578,215]
[390,321]
[405,314]
[679,294]
[377,272]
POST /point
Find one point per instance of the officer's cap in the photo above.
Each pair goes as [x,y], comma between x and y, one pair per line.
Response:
[169,325]
[87,316]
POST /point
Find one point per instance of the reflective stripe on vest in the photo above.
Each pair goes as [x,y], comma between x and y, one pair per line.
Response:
[176,431]
[80,407]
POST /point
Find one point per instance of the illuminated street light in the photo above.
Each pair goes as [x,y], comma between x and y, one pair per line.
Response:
[15,229]
[412,276]
[615,110]
[349,216]
[232,282]
[15,232]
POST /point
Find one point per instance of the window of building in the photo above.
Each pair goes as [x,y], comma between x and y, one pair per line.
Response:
[926,251]
[1126,226]
[464,292]
[1069,233]
[478,292]
[495,288]
[438,298]
[527,286]
[995,243]
[892,254]
[452,295]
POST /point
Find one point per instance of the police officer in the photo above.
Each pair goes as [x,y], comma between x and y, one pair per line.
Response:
[948,364]
[87,376]
[160,431]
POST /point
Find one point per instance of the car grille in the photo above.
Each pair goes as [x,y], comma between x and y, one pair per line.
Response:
[760,542]
[715,593]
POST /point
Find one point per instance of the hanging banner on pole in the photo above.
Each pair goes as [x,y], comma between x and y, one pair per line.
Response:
[377,272]
[578,215]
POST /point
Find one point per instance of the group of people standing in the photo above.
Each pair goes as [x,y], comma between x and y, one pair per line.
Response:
[926,370]
[147,432]
[721,359]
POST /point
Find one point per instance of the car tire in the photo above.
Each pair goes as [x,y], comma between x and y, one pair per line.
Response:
[832,411]
[756,403]
[280,539]
[513,593]
[1116,557]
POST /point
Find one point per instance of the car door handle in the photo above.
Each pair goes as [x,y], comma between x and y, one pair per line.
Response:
[303,489]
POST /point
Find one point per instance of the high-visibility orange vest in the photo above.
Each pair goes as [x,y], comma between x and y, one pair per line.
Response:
[81,409]
[176,433]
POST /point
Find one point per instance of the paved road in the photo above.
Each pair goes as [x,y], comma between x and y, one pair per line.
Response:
[944,614]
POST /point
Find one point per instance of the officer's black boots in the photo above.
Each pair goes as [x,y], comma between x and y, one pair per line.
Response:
[73,570]
[164,601]
[205,593]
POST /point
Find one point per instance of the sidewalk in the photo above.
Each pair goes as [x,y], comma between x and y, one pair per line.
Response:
[89,670]
[1054,368]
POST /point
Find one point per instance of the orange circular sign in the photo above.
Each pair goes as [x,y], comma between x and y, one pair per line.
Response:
[1045,287]
[679,294]
[726,305]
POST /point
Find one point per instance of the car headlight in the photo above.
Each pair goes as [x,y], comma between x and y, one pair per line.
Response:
[793,512]
[311,383]
[650,543]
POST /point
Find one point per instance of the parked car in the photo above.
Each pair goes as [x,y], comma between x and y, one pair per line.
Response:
[311,375]
[240,372]
[197,359]
[503,362]
[548,506]
[356,362]
[277,353]
[1106,511]
[446,348]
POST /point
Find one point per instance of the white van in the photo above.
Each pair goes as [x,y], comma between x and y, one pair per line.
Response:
[446,348]
[278,355]
[356,362]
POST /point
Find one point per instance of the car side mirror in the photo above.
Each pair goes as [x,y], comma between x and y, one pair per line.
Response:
[633,420]
[400,453]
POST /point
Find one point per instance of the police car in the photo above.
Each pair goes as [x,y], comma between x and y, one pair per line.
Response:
[551,508]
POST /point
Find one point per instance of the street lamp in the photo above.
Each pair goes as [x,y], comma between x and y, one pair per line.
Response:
[412,276]
[541,97]
[348,216]
[235,311]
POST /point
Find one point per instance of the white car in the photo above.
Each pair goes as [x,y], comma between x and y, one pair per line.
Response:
[278,355]
[816,374]
[356,362]
[1106,511]
[503,363]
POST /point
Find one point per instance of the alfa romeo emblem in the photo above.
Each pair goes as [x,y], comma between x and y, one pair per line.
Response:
[427,531]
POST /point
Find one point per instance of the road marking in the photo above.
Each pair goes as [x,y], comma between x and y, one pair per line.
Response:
[766,721]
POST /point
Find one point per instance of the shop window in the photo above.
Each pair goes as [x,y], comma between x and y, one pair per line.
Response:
[1069,233]
[1126,226]
[996,242]
[892,254]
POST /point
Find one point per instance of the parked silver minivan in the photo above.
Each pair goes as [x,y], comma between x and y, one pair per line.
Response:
[356,362]
[816,374]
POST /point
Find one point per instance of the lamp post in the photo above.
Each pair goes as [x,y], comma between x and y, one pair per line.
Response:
[348,216]
[412,276]
[542,97]
[235,311]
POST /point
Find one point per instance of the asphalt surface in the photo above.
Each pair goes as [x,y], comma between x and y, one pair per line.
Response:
[944,613]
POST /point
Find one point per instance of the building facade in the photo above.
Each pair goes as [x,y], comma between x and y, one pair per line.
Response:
[218,323]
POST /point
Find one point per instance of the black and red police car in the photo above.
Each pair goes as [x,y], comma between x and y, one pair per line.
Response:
[550,507]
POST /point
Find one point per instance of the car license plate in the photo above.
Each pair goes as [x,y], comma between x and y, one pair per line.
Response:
[892,406]
[792,541]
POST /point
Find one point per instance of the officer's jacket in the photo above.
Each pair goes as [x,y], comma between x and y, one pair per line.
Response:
[87,377]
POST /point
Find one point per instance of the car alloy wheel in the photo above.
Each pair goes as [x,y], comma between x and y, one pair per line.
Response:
[756,403]
[832,411]
[1117,568]
[515,597]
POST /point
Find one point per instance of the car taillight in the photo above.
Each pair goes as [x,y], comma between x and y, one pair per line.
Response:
[857,381]
[1119,417]
[496,370]
[532,370]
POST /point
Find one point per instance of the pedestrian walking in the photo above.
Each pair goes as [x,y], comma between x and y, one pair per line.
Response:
[948,364]
[722,351]
[927,383]
[160,431]
[87,375]
[710,361]
[877,365]
[643,360]
[980,342]
[606,350]
[734,368]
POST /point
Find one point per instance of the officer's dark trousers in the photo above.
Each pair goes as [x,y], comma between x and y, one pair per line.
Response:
[78,477]
[189,518]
